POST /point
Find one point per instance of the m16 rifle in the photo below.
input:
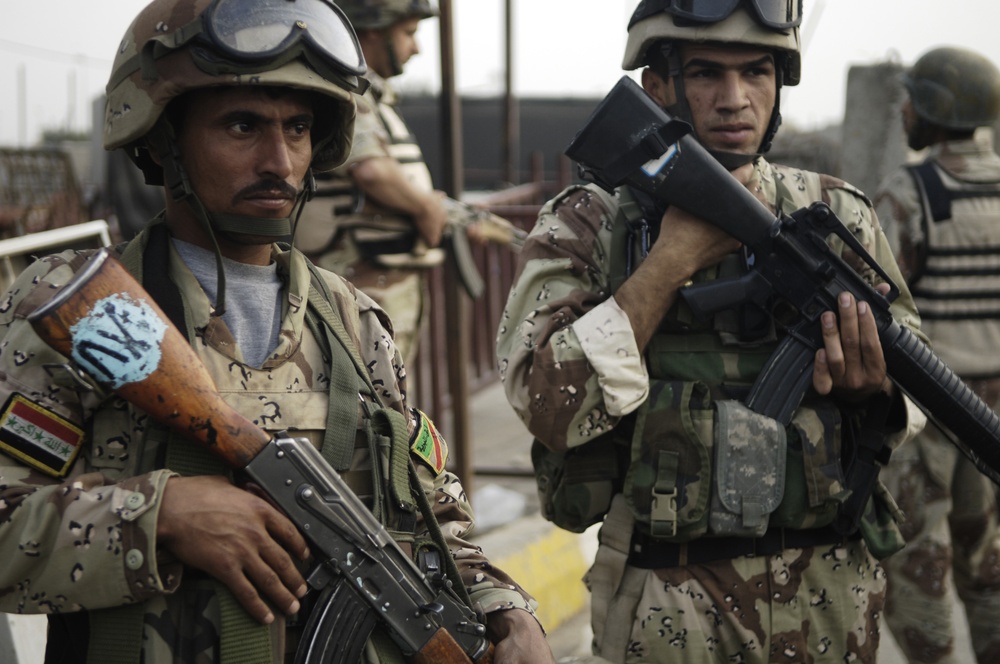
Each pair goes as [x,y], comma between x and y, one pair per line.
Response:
[796,276]
[117,334]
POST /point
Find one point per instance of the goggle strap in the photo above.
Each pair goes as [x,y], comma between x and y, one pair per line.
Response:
[154,49]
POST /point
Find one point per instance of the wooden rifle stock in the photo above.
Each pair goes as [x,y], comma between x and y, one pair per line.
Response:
[107,322]
[443,648]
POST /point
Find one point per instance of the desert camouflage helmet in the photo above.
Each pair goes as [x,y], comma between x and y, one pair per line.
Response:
[954,88]
[378,14]
[174,46]
[770,24]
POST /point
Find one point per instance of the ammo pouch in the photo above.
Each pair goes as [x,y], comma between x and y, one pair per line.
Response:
[706,466]
[575,487]
[749,478]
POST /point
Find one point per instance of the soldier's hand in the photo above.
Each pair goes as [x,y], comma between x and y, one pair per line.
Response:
[518,637]
[238,538]
[851,363]
[695,240]
[432,219]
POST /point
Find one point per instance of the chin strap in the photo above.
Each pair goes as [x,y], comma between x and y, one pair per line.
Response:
[390,51]
[178,185]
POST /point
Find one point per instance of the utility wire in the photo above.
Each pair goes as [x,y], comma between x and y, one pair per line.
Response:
[53,55]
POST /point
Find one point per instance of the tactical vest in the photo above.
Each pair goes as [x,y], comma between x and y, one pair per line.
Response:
[364,441]
[957,286]
[404,148]
[340,220]
[692,461]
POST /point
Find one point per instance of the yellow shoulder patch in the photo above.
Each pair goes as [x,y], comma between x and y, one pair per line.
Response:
[428,445]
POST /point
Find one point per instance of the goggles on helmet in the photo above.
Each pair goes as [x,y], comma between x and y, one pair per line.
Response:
[241,37]
[777,14]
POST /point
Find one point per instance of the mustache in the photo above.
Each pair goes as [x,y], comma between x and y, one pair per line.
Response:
[267,187]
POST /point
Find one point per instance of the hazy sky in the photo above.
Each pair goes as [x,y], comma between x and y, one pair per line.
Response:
[59,52]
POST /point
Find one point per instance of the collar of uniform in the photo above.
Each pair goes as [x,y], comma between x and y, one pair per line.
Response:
[973,160]
[380,89]
[295,273]
[980,143]
[196,302]
[762,181]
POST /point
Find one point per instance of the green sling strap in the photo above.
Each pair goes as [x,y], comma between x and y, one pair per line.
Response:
[342,412]
[391,423]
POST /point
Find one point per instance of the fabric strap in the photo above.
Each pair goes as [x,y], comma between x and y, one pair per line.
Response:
[615,587]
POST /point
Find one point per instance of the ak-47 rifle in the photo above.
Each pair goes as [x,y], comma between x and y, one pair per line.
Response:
[796,276]
[116,333]
[465,222]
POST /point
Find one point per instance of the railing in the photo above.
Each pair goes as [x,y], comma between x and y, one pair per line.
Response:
[457,349]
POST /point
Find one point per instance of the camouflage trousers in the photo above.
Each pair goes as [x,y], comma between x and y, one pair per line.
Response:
[814,605]
[952,542]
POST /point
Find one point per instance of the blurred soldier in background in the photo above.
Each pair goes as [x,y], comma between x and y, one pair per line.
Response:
[942,218]
[384,182]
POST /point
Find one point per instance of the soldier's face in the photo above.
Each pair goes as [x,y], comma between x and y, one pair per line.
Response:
[731,91]
[401,37]
[247,150]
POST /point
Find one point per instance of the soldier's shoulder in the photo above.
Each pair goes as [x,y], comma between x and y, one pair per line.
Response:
[351,303]
[40,281]
[805,187]
[583,206]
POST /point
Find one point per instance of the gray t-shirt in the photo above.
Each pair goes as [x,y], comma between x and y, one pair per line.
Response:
[253,299]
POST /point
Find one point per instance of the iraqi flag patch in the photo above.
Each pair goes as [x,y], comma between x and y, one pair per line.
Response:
[428,444]
[39,437]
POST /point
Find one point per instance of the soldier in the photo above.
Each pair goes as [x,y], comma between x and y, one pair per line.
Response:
[137,543]
[384,180]
[942,217]
[635,404]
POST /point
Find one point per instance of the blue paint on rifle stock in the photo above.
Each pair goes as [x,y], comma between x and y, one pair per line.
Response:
[118,342]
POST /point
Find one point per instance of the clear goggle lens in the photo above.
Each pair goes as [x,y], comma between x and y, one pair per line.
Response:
[777,14]
[263,29]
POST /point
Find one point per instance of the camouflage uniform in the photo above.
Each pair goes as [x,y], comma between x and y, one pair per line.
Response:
[379,131]
[573,373]
[948,530]
[87,541]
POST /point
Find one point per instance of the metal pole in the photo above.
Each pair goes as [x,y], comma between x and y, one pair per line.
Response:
[22,106]
[512,120]
[456,327]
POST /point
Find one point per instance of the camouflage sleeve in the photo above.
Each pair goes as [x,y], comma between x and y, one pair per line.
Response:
[567,356]
[899,210]
[488,586]
[70,537]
